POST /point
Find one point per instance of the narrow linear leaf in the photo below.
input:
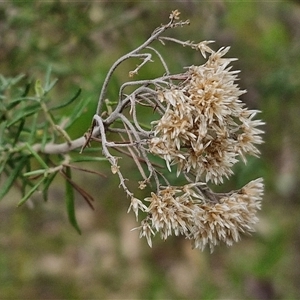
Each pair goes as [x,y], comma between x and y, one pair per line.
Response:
[34,173]
[47,184]
[33,129]
[26,90]
[16,101]
[3,125]
[13,176]
[88,158]
[45,137]
[67,102]
[38,158]
[70,201]
[3,163]
[78,111]
[25,181]
[17,134]
[86,196]
[47,76]
[3,110]
[31,191]
[28,111]
[49,85]
[8,82]
[18,78]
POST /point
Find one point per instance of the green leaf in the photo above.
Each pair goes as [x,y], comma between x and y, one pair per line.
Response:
[16,101]
[7,82]
[18,78]
[17,134]
[87,158]
[24,113]
[25,181]
[67,102]
[26,90]
[47,76]
[49,85]
[78,111]
[38,158]
[3,111]
[3,126]
[47,184]
[13,176]
[3,162]
[35,173]
[70,201]
[46,134]
[31,191]
[33,130]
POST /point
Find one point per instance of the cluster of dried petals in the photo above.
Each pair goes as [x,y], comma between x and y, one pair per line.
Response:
[183,211]
[224,221]
[170,212]
[205,126]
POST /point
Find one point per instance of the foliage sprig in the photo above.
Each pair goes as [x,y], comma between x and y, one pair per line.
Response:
[198,124]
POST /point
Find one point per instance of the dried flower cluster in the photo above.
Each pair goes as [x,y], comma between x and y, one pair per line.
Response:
[205,125]
[184,211]
[198,126]
[203,129]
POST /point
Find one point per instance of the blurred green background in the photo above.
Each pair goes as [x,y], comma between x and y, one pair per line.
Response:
[41,255]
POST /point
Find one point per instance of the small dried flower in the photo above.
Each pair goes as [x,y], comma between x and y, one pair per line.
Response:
[142,184]
[135,206]
[114,168]
[175,14]
[204,48]
[146,231]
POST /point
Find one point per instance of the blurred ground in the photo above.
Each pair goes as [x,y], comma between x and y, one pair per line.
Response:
[42,257]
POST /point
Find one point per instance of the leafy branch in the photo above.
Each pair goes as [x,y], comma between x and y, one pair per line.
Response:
[198,124]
